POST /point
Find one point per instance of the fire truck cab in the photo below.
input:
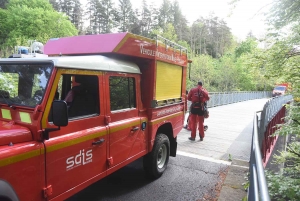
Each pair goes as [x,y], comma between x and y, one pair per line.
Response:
[92,106]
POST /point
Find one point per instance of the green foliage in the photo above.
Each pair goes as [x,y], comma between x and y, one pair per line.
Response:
[281,63]
[102,16]
[246,79]
[282,187]
[219,61]
[3,3]
[226,71]
[165,16]
[9,82]
[284,13]
[245,47]
[4,27]
[41,4]
[292,125]
[202,69]
[229,157]
[169,33]
[32,20]
[121,93]
[125,15]
[210,36]
[231,73]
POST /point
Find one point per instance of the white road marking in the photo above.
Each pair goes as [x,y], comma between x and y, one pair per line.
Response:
[203,158]
[245,167]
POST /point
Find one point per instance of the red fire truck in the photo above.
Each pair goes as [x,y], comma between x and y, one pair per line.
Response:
[92,106]
[280,89]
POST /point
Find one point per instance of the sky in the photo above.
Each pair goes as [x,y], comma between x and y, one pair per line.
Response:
[245,17]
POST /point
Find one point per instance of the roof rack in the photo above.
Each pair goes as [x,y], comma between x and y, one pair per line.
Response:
[170,44]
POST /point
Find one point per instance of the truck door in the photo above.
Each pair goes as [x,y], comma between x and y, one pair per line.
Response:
[126,137]
[76,154]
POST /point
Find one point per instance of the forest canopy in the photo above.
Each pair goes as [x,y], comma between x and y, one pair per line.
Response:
[219,60]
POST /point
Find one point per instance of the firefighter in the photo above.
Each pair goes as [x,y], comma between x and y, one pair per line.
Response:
[188,125]
[198,96]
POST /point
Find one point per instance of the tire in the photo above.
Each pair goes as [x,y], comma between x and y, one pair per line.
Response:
[155,162]
[4,198]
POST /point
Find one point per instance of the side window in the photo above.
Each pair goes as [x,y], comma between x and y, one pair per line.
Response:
[122,93]
[81,93]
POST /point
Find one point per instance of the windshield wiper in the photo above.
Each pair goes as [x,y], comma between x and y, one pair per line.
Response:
[6,101]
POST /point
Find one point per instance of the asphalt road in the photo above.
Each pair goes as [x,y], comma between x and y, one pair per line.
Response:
[186,178]
[195,173]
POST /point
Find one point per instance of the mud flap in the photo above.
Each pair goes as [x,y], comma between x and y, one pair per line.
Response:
[173,149]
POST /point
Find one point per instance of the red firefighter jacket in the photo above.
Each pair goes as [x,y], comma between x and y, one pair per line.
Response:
[194,97]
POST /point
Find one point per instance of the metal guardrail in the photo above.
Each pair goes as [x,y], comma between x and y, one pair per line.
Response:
[270,110]
[224,98]
[258,183]
[263,128]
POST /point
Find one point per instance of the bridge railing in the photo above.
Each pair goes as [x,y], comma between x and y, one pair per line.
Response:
[264,125]
[258,189]
[224,98]
[273,113]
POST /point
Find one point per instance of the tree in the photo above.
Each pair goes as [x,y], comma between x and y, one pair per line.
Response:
[281,62]
[125,15]
[284,13]
[169,33]
[179,21]
[165,16]
[3,3]
[135,25]
[108,16]
[4,31]
[208,40]
[72,8]
[101,16]
[210,36]
[245,47]
[197,39]
[145,19]
[55,5]
[202,69]
[153,21]
[33,20]
[219,37]
[91,15]
[77,15]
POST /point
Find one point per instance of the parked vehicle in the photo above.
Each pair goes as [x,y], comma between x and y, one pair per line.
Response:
[93,105]
[280,89]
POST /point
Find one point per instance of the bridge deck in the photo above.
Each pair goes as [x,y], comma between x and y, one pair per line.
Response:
[227,141]
[229,132]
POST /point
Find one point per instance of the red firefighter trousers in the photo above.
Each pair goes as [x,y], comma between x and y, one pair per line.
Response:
[197,121]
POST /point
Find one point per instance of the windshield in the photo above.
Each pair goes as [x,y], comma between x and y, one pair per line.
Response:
[24,84]
[280,88]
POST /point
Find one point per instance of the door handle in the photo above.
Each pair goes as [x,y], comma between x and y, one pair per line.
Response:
[135,129]
[98,142]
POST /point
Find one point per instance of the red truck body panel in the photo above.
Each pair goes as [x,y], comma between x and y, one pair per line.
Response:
[119,43]
[92,146]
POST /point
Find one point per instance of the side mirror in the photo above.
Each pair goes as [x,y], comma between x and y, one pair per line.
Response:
[59,113]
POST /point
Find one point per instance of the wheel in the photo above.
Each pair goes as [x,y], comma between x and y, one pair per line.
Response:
[155,162]
[4,198]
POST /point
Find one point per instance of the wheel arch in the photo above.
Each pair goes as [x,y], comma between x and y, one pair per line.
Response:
[168,131]
[7,191]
